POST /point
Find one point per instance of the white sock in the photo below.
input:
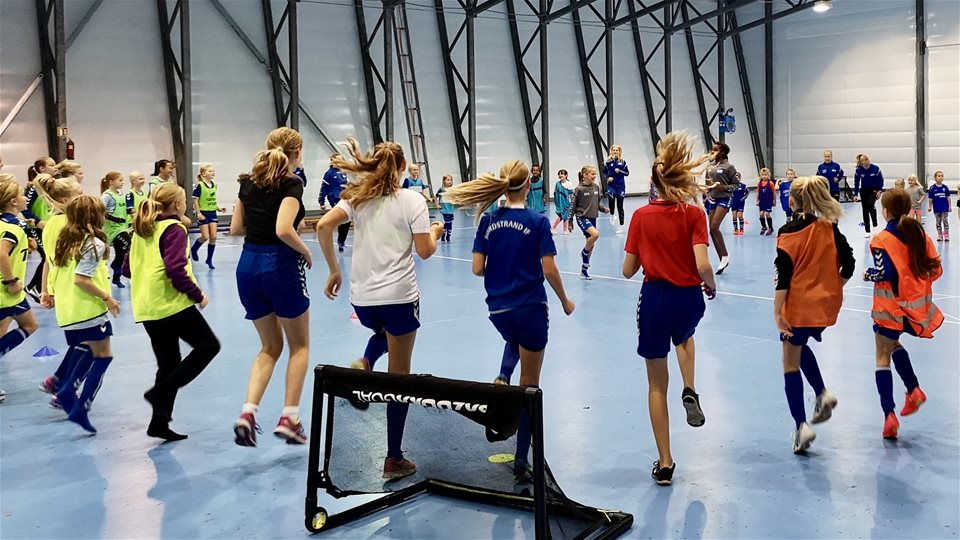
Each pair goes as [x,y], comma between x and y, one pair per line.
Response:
[293,413]
[251,408]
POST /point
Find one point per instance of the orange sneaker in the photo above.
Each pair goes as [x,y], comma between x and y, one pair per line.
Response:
[394,468]
[891,426]
[913,401]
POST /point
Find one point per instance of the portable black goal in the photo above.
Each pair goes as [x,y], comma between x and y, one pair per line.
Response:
[461,436]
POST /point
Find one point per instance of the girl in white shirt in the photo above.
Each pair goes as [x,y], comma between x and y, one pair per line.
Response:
[389,224]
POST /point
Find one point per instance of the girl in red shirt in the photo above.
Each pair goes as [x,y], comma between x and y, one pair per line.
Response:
[668,238]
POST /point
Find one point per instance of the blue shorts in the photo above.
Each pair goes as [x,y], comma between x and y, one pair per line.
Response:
[525,325]
[16,310]
[802,335]
[94,333]
[272,279]
[394,319]
[665,313]
[709,205]
[737,206]
[207,216]
[723,203]
[616,191]
[894,334]
[766,207]
[586,223]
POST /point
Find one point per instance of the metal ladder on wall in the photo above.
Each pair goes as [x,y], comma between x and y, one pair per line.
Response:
[411,96]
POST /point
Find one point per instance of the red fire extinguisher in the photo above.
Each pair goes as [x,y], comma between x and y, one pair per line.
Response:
[71,147]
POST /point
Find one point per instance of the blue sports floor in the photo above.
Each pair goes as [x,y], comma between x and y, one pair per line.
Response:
[736,476]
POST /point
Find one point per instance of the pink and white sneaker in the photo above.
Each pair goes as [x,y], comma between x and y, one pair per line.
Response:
[289,431]
[245,430]
[48,386]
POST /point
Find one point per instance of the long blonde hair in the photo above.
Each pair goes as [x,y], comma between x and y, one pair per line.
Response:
[811,196]
[272,165]
[378,172]
[68,168]
[486,189]
[85,217]
[161,199]
[9,190]
[52,190]
[674,170]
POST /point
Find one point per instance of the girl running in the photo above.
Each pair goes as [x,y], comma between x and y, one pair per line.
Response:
[783,189]
[537,195]
[917,196]
[333,183]
[514,252]
[116,225]
[562,191]
[205,207]
[615,170]
[136,195]
[940,206]
[14,247]
[765,197]
[905,266]
[668,239]
[37,214]
[722,180]
[738,201]
[813,263]
[164,295]
[82,292]
[272,281]
[867,185]
[383,282]
[446,208]
[586,206]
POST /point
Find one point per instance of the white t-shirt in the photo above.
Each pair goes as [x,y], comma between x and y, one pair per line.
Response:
[382,271]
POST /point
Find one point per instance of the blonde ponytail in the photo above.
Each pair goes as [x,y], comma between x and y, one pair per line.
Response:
[378,172]
[272,165]
[485,190]
[811,195]
[161,201]
[674,170]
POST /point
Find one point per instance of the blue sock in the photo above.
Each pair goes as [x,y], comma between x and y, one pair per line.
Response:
[521,458]
[11,339]
[585,256]
[66,366]
[376,347]
[82,362]
[885,389]
[195,248]
[91,386]
[901,361]
[811,370]
[511,356]
[793,386]
[396,418]
[210,248]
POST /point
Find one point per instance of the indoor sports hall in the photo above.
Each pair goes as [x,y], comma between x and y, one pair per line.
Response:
[186,92]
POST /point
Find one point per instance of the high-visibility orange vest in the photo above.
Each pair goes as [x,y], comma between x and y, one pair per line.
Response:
[913,302]
[816,290]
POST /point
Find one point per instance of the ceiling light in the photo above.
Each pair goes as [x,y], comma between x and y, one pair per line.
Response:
[821,6]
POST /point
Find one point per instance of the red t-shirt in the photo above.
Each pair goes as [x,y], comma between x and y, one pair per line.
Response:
[662,235]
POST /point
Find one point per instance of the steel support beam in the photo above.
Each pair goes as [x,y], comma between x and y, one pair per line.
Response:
[745,89]
[722,9]
[600,116]
[374,80]
[768,96]
[460,90]
[657,113]
[284,77]
[530,61]
[410,92]
[643,12]
[54,75]
[176,75]
[801,5]
[921,80]
[478,9]
[701,86]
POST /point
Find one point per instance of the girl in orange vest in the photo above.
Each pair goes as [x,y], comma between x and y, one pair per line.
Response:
[813,263]
[906,265]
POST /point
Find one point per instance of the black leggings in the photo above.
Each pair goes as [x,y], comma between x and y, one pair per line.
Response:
[172,372]
[37,278]
[618,202]
[121,246]
[342,230]
[868,202]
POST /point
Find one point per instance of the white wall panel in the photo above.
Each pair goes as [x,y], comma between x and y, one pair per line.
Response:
[943,94]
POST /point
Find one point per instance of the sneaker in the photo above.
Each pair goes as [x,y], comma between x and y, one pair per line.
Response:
[663,475]
[501,381]
[891,427]
[3,396]
[360,363]
[210,265]
[913,401]
[620,229]
[340,247]
[946,237]
[823,409]
[48,386]
[245,430]
[613,220]
[32,292]
[769,232]
[802,438]
[55,403]
[522,472]
[724,263]
[290,431]
[584,274]
[394,468]
[866,235]
[763,231]
[691,402]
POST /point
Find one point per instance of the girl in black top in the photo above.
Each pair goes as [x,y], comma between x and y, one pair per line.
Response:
[271,279]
